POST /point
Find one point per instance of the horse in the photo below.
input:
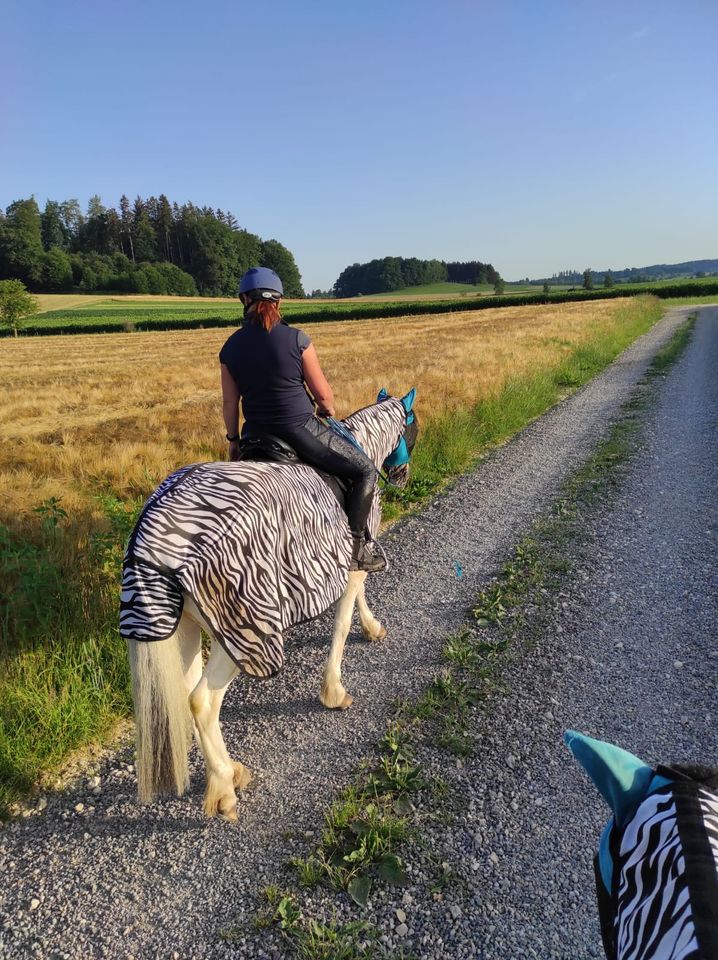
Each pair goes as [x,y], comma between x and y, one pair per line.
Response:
[245,551]
[657,861]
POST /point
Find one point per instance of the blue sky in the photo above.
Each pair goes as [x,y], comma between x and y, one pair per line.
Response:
[534,135]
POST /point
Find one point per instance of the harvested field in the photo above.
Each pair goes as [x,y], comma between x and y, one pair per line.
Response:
[96,414]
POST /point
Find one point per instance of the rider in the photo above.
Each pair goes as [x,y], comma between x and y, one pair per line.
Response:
[274,370]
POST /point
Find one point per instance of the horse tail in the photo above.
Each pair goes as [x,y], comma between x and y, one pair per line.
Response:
[162,717]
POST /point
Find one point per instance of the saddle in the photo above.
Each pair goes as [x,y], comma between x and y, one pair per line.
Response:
[268,448]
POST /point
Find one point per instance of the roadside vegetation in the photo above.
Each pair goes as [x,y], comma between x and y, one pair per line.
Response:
[91,426]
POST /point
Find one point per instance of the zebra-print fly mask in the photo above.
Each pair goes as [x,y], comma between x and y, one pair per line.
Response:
[396,465]
[657,863]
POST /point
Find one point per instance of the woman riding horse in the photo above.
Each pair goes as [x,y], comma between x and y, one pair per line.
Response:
[274,370]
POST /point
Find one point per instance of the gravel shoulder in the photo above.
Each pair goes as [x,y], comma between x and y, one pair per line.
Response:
[95,875]
[627,652]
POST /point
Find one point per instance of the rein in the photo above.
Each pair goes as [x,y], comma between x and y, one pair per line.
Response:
[338,427]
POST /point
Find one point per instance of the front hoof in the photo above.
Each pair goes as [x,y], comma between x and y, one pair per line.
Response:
[335,698]
[229,814]
[374,634]
[219,799]
[242,775]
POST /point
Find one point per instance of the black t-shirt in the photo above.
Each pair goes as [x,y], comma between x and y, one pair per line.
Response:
[267,368]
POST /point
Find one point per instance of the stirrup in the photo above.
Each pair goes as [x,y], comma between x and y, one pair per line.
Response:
[364,559]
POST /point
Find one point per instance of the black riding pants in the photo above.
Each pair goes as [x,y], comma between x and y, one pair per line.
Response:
[323,448]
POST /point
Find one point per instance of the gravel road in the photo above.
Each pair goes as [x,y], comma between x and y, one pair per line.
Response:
[94,875]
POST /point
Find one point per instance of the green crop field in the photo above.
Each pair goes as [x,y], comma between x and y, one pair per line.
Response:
[93,314]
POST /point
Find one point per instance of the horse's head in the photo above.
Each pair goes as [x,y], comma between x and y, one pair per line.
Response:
[656,863]
[396,465]
[387,432]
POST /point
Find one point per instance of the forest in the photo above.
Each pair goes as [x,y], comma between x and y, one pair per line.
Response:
[148,246]
[397,273]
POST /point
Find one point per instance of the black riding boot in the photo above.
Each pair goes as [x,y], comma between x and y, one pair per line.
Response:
[363,558]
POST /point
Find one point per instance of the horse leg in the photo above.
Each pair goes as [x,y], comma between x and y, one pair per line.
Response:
[370,626]
[223,774]
[189,635]
[333,693]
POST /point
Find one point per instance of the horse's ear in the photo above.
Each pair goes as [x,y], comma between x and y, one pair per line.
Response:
[382,395]
[622,779]
[409,399]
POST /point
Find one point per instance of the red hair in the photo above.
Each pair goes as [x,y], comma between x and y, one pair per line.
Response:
[265,313]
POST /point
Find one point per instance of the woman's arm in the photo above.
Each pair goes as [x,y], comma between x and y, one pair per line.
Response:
[317,383]
[230,409]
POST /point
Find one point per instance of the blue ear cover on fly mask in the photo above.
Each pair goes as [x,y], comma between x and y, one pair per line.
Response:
[623,781]
[400,456]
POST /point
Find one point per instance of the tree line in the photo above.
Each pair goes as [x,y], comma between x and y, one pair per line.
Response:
[658,271]
[396,273]
[149,246]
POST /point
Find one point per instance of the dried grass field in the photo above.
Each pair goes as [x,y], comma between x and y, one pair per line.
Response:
[92,423]
[95,414]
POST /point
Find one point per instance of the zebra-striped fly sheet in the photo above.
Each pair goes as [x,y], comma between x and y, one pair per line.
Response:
[657,865]
[260,547]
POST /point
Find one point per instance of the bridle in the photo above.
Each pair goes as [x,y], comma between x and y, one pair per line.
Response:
[395,468]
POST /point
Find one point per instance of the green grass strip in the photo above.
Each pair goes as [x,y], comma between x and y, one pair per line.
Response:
[450,443]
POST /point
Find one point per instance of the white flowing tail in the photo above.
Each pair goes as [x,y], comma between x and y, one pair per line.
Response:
[162,717]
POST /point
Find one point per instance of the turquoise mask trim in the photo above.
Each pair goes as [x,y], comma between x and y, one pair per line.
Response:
[622,779]
[408,401]
[605,860]
[398,457]
[401,455]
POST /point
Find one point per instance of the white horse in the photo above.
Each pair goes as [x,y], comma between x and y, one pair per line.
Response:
[172,690]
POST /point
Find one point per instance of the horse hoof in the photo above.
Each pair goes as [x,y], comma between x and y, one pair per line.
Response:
[346,702]
[242,776]
[334,697]
[229,815]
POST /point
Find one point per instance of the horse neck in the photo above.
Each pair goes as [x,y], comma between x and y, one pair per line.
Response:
[378,428]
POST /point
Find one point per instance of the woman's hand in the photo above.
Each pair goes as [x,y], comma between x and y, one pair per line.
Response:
[234,450]
[325,410]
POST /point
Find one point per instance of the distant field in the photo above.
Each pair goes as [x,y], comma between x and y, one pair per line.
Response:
[99,414]
[687,301]
[446,291]
[75,313]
